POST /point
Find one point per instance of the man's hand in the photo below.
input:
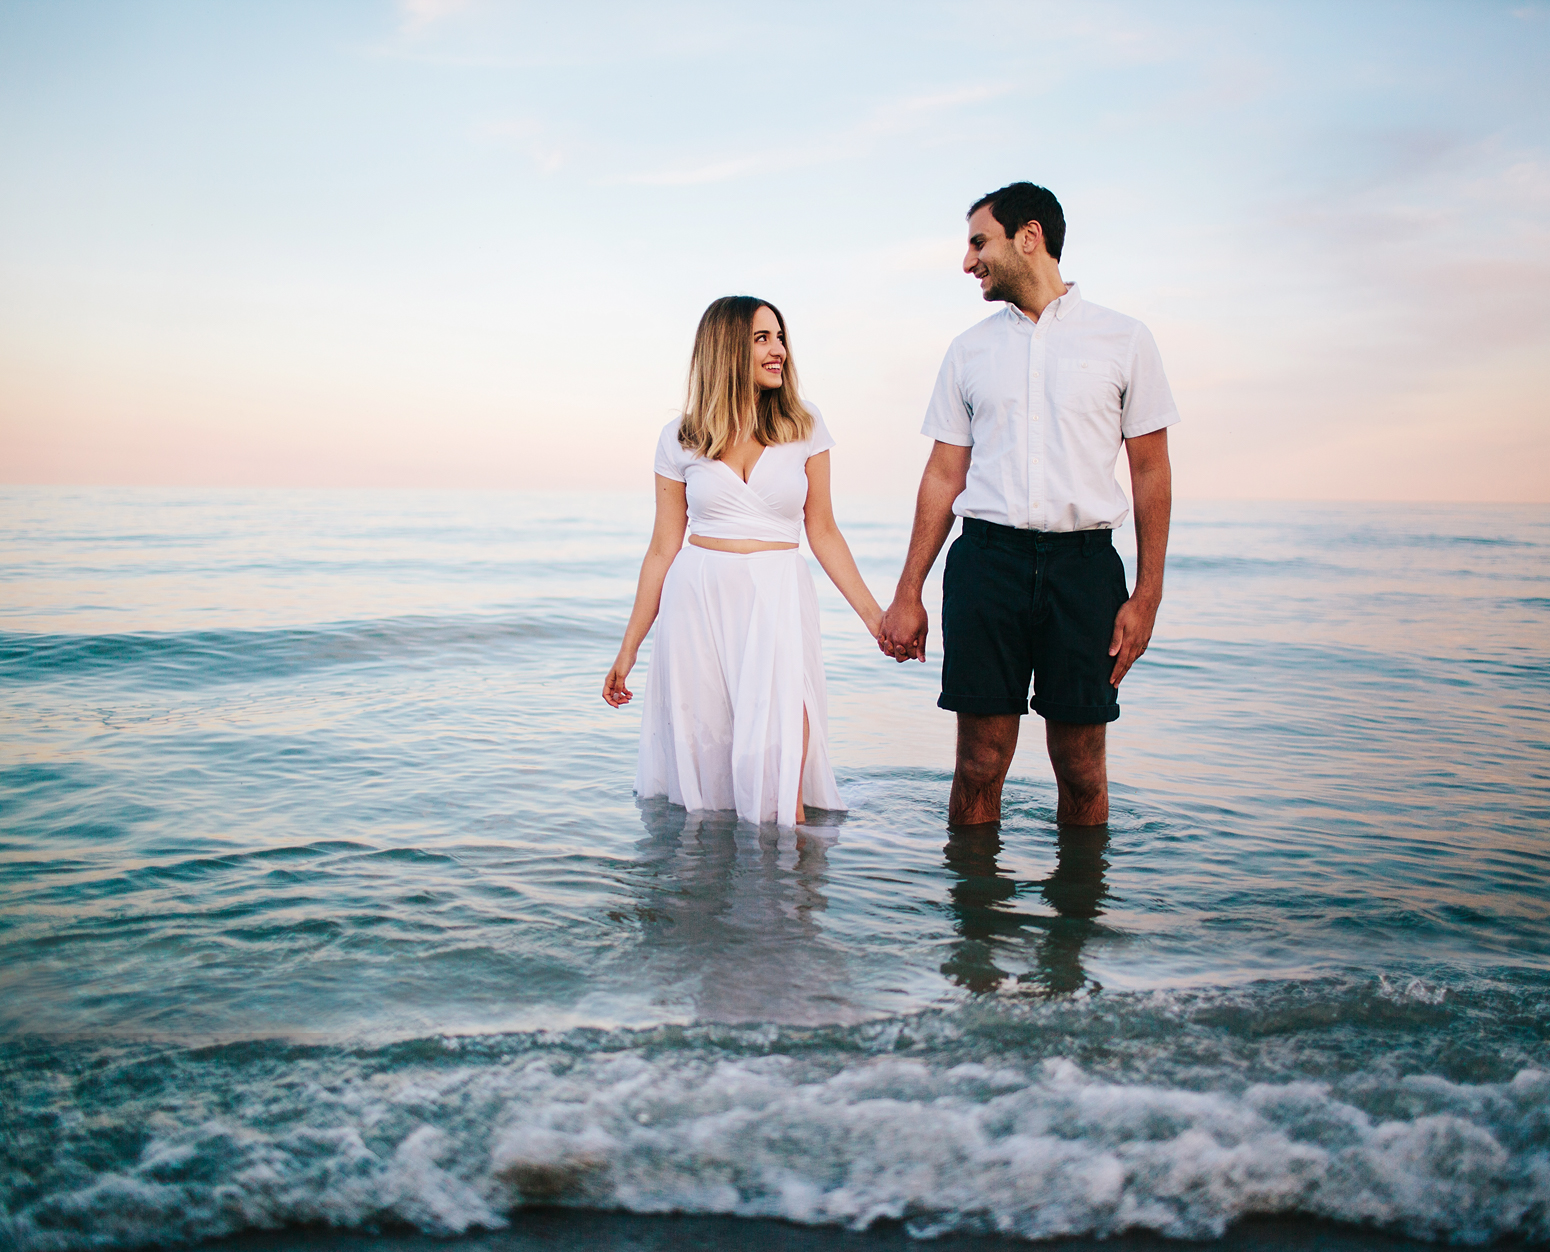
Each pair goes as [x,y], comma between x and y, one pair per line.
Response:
[1132,632]
[904,630]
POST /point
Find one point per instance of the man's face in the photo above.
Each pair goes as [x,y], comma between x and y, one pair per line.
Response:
[992,257]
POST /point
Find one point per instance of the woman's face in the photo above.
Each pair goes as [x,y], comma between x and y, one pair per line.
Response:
[769,348]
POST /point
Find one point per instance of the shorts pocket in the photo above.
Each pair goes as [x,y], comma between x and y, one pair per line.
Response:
[952,569]
[1117,568]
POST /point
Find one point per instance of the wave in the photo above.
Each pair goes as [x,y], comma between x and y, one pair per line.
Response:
[204,657]
[1398,539]
[1250,566]
[939,1121]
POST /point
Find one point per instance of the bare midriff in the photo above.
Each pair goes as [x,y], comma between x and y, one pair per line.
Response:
[739,545]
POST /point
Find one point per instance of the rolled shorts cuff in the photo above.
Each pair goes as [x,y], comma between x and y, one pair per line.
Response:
[985,706]
[1080,714]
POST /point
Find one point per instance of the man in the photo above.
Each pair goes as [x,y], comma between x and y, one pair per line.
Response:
[1029,413]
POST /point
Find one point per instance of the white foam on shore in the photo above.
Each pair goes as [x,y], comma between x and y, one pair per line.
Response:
[1038,1153]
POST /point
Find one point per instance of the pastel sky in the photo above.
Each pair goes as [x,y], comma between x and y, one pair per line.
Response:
[466,242]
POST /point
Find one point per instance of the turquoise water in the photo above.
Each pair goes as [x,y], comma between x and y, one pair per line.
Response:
[324,898]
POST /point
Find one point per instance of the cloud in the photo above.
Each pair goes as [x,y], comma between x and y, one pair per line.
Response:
[1525,183]
[717,171]
[940,254]
[518,35]
[530,137]
[896,118]
[417,16]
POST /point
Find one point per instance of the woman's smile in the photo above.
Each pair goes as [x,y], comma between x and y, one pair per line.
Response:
[769,349]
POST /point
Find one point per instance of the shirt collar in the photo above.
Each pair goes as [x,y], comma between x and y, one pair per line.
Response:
[1067,302]
[1061,306]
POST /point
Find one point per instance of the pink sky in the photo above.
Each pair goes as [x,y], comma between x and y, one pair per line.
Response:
[435,247]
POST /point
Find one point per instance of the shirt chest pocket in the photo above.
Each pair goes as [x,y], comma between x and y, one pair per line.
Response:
[1088,387]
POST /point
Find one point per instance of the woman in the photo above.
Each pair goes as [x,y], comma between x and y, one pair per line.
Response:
[735,708]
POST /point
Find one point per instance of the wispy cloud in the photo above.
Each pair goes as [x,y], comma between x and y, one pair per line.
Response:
[417,16]
[530,137]
[517,35]
[937,255]
[1392,285]
[896,118]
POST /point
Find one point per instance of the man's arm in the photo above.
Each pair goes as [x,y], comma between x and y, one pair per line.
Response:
[1151,485]
[904,624]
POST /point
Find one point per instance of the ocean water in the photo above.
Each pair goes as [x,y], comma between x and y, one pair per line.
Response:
[325,903]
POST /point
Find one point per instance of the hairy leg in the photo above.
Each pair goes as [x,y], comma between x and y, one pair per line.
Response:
[985,746]
[1079,754]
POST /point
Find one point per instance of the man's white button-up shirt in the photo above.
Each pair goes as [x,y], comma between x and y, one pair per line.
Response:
[1046,406]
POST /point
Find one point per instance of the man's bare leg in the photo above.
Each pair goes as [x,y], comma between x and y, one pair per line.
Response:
[985,746]
[1079,754]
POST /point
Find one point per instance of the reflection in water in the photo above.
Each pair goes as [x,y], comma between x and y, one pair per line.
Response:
[982,901]
[731,917]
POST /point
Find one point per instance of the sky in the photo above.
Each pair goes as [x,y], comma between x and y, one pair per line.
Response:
[465,243]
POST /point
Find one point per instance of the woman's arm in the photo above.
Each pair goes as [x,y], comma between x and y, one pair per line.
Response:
[667,537]
[829,546]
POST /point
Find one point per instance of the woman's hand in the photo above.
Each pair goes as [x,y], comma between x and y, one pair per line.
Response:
[614,690]
[873,621]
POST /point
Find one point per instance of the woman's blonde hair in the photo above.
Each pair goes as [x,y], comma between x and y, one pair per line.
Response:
[724,397]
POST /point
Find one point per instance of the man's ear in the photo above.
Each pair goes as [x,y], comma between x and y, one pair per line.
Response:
[1030,237]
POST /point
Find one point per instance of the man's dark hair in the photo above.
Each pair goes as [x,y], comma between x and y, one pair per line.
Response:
[1019,203]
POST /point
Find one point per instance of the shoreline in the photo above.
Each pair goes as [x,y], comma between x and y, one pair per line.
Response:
[559,1230]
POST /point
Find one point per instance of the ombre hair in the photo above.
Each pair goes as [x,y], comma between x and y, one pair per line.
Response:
[725,402]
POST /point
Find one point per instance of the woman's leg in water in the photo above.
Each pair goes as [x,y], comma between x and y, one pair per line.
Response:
[802,812]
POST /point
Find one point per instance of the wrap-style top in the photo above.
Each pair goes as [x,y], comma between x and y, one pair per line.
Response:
[768,507]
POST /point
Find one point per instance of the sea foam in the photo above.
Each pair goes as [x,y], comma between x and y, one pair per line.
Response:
[1034,1152]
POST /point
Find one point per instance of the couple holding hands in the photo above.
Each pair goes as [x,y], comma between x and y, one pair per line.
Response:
[1030,410]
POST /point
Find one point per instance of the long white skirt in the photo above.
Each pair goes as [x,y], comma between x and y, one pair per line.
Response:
[736,659]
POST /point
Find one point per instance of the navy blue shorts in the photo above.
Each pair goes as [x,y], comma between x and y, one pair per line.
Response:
[1031,604]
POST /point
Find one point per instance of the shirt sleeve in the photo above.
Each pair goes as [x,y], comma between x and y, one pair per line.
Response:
[670,454]
[820,440]
[948,416]
[1147,404]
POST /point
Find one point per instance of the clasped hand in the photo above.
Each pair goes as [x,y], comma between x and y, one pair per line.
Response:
[903,632]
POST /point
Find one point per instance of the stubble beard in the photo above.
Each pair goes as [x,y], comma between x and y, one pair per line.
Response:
[999,289]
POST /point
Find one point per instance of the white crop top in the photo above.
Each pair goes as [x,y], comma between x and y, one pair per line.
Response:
[769,506]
